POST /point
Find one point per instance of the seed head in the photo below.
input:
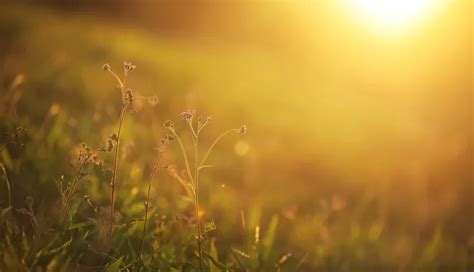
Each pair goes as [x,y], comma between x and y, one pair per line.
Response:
[128,96]
[168,124]
[153,100]
[128,66]
[109,146]
[204,120]
[169,138]
[114,137]
[106,67]
[187,115]
[242,129]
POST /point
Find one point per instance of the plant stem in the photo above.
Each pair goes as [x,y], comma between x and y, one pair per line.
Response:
[8,185]
[196,195]
[147,204]
[213,144]
[185,155]
[76,179]
[114,175]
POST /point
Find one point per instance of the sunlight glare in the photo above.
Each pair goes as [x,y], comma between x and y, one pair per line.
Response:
[392,14]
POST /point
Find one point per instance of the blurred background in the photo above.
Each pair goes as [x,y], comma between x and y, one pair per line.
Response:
[360,119]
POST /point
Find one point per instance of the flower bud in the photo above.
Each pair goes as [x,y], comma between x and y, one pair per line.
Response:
[168,124]
[187,115]
[128,66]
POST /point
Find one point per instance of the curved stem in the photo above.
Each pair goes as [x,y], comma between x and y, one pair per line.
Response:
[8,185]
[185,156]
[114,175]
[213,144]
[147,204]
[121,84]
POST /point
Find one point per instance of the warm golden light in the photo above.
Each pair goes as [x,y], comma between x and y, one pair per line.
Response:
[393,14]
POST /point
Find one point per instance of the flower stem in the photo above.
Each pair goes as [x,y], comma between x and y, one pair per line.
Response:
[213,144]
[196,196]
[114,175]
[76,179]
[147,203]
[185,156]
[8,185]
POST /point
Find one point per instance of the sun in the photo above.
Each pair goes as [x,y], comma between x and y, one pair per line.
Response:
[393,14]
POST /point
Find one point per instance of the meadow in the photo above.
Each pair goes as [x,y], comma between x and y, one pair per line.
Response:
[125,150]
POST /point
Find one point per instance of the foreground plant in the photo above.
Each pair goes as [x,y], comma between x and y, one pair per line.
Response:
[191,184]
[86,156]
[161,148]
[127,99]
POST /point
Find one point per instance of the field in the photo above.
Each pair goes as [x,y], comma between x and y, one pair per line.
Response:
[341,151]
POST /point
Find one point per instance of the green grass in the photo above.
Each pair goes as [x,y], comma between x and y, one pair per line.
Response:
[301,189]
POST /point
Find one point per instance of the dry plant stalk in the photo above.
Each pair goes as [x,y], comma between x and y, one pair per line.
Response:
[199,164]
[163,143]
[127,98]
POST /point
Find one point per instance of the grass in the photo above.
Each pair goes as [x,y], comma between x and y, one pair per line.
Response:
[292,195]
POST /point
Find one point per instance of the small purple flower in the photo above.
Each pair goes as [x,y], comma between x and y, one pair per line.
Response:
[187,115]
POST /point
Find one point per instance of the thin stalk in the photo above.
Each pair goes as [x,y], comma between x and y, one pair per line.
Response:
[121,84]
[185,156]
[8,185]
[238,261]
[196,195]
[147,204]
[213,144]
[114,175]
[76,179]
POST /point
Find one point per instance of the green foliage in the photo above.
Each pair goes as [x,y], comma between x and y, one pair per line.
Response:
[62,100]
[115,266]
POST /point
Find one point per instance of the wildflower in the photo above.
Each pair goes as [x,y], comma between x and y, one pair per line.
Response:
[109,146]
[106,67]
[187,115]
[128,66]
[128,96]
[242,129]
[203,121]
[168,124]
[169,137]
[153,100]
[114,137]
